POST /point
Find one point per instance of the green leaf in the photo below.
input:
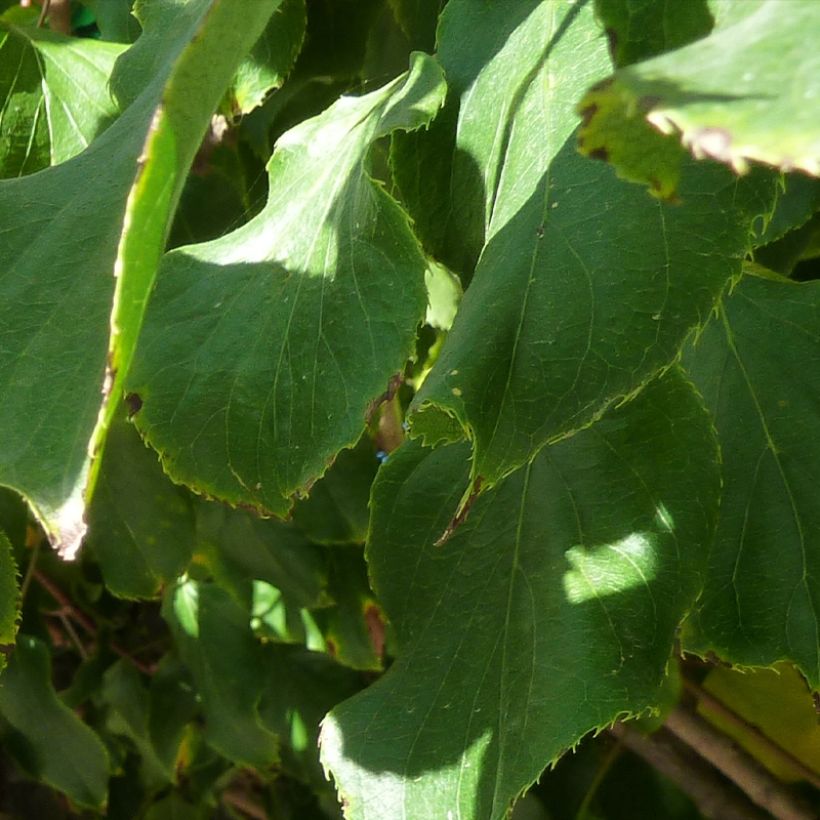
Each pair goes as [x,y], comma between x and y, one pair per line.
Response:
[418,19]
[114,19]
[55,92]
[9,598]
[263,350]
[550,611]
[172,707]
[271,58]
[141,527]
[745,93]
[353,627]
[300,688]
[50,741]
[586,287]
[238,548]
[127,699]
[213,635]
[68,229]
[639,29]
[336,510]
[754,365]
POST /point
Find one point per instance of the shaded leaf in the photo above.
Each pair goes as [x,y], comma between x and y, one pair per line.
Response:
[141,527]
[300,687]
[639,29]
[263,350]
[586,287]
[353,626]
[172,706]
[418,20]
[550,611]
[214,639]
[56,350]
[336,510]
[754,365]
[114,20]
[55,92]
[127,698]
[745,93]
[50,741]
[238,548]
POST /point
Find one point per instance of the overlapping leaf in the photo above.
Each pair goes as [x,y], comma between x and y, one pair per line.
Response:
[48,739]
[214,639]
[263,350]
[550,611]
[586,286]
[748,92]
[55,94]
[756,365]
[67,230]
[141,527]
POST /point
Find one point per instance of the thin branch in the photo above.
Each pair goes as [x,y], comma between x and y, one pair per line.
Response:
[84,621]
[240,801]
[32,565]
[761,786]
[772,747]
[715,797]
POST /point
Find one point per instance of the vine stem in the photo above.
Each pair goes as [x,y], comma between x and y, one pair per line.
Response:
[715,798]
[84,621]
[772,747]
[758,783]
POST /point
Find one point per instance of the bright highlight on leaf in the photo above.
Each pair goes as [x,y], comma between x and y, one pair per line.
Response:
[734,96]
[263,350]
[56,350]
[549,612]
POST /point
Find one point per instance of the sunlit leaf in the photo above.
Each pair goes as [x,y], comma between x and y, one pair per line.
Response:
[263,350]
[745,93]
[550,611]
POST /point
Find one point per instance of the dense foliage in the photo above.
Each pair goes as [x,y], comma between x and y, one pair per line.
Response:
[396,395]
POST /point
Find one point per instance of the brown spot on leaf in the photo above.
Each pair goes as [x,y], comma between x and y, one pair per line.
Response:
[134,403]
[599,153]
[612,38]
[461,516]
[375,627]
[588,113]
[648,102]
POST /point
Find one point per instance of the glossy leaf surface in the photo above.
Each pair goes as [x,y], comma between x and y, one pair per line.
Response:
[263,350]
[733,96]
[585,286]
[58,283]
[549,612]
[754,365]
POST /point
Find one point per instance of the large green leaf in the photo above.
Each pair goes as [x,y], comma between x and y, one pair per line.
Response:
[746,92]
[9,598]
[69,228]
[55,94]
[755,365]
[49,740]
[263,350]
[141,527]
[550,611]
[586,287]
